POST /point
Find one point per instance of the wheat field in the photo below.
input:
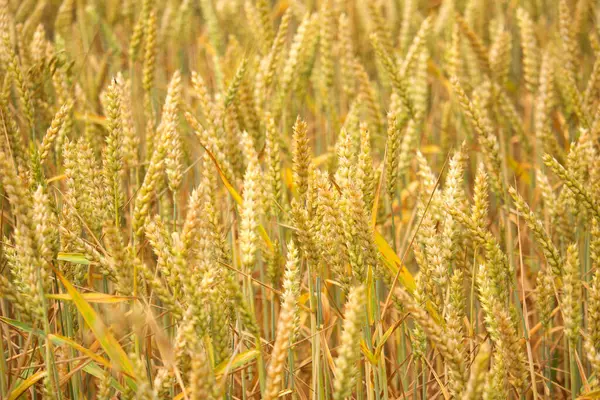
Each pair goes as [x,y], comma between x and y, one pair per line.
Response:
[299,199]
